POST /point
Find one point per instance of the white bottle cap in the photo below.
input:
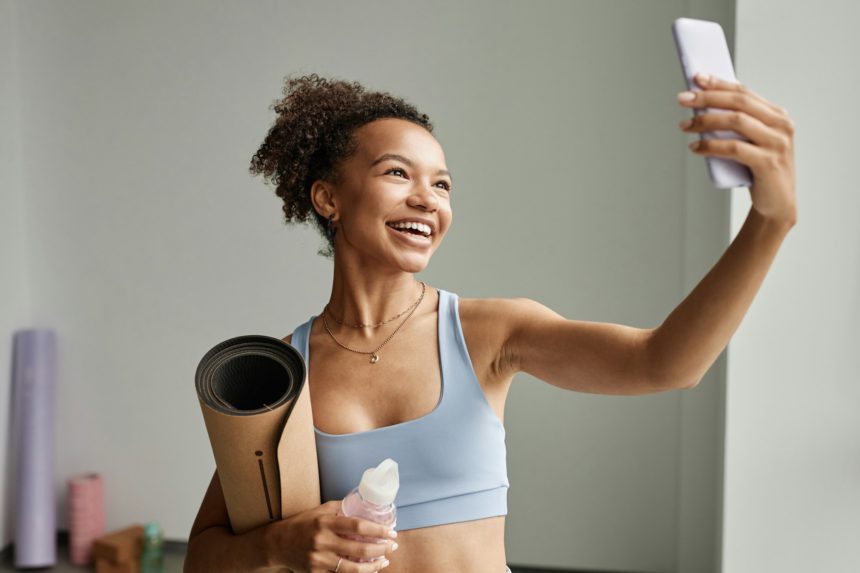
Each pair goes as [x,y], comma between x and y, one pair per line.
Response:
[379,485]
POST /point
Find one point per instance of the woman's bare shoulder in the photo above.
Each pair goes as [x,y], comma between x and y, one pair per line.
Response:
[492,311]
[487,326]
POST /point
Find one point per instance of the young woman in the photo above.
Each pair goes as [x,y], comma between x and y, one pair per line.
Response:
[401,369]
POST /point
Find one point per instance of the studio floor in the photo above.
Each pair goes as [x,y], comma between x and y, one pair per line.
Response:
[174,555]
[172,563]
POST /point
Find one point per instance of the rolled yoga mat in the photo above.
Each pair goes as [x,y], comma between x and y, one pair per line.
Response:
[34,385]
[257,409]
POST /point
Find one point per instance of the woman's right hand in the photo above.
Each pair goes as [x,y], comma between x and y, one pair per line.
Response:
[310,541]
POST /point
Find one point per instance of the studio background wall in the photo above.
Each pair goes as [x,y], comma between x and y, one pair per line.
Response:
[792,459]
[130,224]
[15,299]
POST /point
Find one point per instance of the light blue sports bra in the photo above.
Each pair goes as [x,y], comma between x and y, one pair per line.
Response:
[452,462]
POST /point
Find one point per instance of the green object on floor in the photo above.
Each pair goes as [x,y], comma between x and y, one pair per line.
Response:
[152,555]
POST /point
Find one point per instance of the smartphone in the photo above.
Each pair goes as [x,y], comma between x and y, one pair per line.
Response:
[702,47]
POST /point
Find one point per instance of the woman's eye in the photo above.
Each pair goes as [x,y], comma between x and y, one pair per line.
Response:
[396,169]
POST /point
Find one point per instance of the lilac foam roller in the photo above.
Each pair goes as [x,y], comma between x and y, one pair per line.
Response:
[34,384]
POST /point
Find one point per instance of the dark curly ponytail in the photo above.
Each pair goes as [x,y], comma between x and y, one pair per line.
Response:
[313,134]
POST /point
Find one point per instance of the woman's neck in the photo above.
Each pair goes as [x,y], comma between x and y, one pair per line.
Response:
[371,300]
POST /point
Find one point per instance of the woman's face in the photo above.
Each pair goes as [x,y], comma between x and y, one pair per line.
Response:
[398,173]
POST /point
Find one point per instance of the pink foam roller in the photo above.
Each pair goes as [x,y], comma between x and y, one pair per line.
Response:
[86,516]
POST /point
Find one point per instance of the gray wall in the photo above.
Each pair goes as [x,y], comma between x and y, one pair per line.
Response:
[144,241]
[14,292]
[792,489]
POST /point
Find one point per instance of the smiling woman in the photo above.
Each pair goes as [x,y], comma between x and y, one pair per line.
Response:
[313,134]
[367,168]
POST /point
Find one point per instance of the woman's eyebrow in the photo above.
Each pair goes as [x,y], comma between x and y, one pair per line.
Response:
[408,162]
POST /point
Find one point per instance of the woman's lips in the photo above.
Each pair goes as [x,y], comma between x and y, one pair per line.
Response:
[418,240]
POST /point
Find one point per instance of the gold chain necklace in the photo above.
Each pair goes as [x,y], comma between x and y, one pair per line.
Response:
[374,358]
[328,311]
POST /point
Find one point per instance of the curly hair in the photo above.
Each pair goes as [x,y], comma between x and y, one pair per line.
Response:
[313,134]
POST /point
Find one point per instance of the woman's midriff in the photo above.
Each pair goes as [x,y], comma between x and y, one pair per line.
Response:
[476,546]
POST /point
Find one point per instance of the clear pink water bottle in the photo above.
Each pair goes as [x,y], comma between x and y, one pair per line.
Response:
[373,499]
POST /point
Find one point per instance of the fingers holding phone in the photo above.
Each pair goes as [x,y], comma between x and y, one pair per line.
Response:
[746,139]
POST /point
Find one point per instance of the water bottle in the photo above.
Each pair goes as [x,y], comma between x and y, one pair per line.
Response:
[152,554]
[373,499]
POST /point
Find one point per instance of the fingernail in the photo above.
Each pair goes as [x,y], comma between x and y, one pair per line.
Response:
[686,96]
[385,562]
[394,547]
[686,123]
[392,534]
[703,78]
[695,145]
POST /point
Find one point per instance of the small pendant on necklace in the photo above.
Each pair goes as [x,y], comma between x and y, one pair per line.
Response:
[375,358]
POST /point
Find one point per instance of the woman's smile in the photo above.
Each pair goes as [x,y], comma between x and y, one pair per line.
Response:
[410,238]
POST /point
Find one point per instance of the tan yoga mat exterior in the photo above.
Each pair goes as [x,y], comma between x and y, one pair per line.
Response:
[256,405]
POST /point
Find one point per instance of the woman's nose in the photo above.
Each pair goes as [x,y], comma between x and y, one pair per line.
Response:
[425,196]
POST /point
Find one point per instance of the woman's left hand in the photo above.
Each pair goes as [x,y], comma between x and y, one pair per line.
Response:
[770,151]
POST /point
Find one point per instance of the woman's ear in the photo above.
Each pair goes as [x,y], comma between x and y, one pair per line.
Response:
[322,198]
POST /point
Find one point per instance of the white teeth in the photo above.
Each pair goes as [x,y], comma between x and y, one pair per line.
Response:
[420,227]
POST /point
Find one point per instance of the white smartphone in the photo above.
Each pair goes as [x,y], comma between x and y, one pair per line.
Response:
[702,47]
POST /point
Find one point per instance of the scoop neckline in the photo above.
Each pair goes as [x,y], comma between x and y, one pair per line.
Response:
[307,349]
